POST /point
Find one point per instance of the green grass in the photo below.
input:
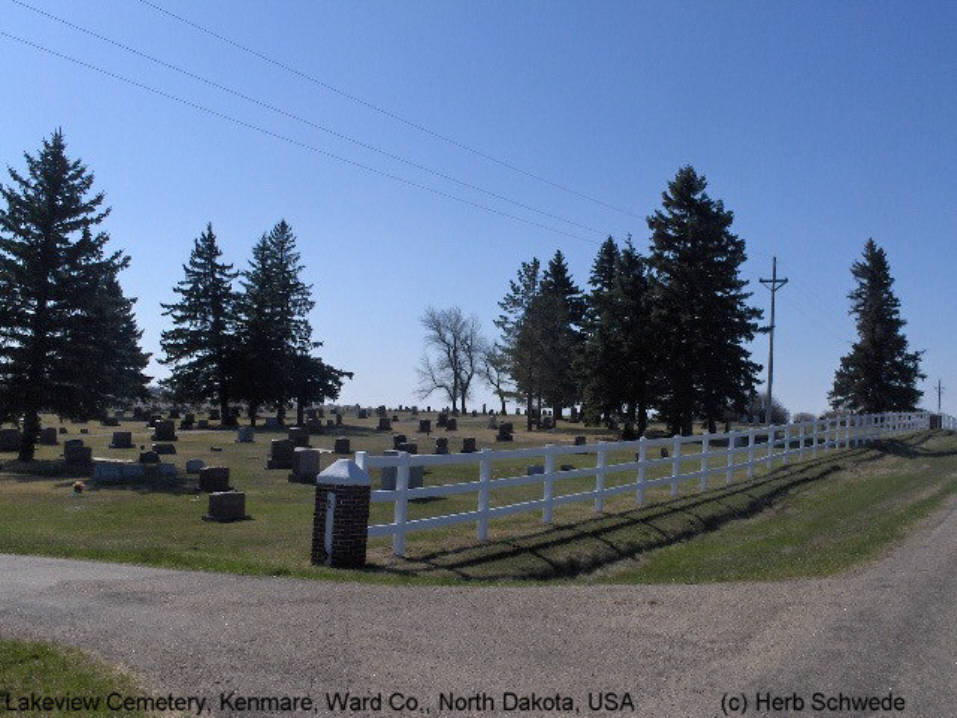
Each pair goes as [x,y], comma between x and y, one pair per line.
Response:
[44,670]
[811,518]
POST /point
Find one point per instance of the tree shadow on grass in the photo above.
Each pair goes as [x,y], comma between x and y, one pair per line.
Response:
[581,547]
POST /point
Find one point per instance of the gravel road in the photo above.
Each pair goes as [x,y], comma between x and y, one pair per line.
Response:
[889,628]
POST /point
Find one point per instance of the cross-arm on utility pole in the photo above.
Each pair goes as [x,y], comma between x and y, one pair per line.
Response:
[774,284]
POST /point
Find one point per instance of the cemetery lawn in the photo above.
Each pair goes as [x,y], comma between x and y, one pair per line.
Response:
[811,518]
[45,669]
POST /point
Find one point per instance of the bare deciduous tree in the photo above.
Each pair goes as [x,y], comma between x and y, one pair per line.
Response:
[453,353]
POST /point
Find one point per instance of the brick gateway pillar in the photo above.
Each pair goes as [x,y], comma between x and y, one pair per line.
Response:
[341,521]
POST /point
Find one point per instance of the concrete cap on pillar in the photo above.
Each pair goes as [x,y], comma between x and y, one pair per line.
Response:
[344,472]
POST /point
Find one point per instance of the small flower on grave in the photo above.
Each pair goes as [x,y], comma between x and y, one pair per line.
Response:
[78,487]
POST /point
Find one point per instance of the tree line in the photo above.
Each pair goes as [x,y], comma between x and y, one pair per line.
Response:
[662,332]
[69,340]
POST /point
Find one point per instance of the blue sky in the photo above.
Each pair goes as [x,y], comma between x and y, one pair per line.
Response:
[818,124]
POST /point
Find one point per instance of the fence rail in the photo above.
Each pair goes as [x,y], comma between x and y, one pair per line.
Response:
[742,451]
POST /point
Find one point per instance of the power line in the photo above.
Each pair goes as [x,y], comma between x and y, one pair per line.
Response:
[774,284]
[290,140]
[383,111]
[303,120]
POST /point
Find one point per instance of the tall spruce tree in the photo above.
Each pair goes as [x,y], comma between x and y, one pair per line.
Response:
[68,338]
[521,340]
[879,374]
[638,372]
[202,346]
[603,351]
[274,321]
[563,315]
[702,319]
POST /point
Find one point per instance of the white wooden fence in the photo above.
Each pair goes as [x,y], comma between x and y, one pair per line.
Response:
[742,451]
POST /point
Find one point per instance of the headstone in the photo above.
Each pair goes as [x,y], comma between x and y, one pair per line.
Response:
[149,457]
[174,414]
[75,454]
[311,414]
[320,413]
[425,426]
[442,420]
[62,429]
[408,447]
[384,424]
[342,445]
[380,410]
[84,431]
[202,424]
[451,424]
[504,431]
[338,419]
[468,445]
[340,525]
[214,414]
[390,474]
[110,421]
[314,426]
[398,439]
[245,435]
[305,465]
[330,424]
[548,423]
[164,449]
[474,413]
[280,454]
[271,423]
[581,440]
[664,452]
[113,471]
[193,466]
[226,506]
[299,436]
[441,445]
[122,440]
[493,422]
[533,469]
[214,478]
[164,431]
[395,418]
[363,414]
[48,437]
[574,418]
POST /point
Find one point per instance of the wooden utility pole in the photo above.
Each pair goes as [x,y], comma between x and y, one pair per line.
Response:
[774,284]
[940,390]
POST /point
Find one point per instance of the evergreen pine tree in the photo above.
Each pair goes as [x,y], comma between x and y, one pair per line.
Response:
[603,353]
[879,374]
[202,346]
[702,318]
[633,322]
[521,338]
[68,339]
[274,325]
[561,333]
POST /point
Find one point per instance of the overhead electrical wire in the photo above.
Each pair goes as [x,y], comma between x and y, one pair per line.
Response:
[290,140]
[303,120]
[384,111]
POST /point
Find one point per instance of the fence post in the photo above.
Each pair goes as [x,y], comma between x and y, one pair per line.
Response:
[642,455]
[787,443]
[401,503]
[732,445]
[847,431]
[814,438]
[549,483]
[703,479]
[801,433]
[767,460]
[485,476]
[751,437]
[600,477]
[675,463]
